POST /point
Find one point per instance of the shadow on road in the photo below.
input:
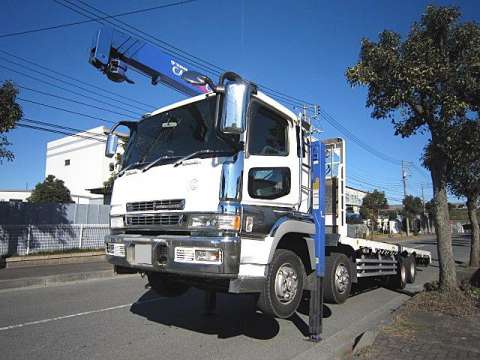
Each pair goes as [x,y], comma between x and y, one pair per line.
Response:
[235,315]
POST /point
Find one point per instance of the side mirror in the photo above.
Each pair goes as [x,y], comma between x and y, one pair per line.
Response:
[235,106]
[111,146]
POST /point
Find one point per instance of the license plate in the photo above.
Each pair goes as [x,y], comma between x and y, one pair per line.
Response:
[143,254]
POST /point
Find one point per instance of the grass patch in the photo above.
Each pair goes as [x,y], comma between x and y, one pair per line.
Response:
[403,326]
[464,301]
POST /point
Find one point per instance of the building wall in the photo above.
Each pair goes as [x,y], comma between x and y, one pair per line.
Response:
[80,163]
[353,199]
[15,195]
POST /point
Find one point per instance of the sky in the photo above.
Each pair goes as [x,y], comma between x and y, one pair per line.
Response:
[301,48]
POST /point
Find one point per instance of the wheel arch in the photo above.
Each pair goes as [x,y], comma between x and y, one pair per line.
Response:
[297,236]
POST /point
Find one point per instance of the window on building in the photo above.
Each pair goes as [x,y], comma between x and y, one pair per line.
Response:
[267,133]
[67,162]
[268,183]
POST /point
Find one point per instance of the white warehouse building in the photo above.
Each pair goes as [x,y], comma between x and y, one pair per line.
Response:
[80,162]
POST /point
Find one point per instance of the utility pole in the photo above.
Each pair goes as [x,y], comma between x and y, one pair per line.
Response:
[423,204]
[404,179]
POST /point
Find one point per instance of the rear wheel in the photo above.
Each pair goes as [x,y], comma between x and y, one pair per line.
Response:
[411,268]
[399,280]
[164,286]
[338,278]
[283,287]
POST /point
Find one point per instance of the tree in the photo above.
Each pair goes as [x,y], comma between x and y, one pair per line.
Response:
[371,205]
[464,179]
[426,83]
[412,206]
[51,190]
[10,113]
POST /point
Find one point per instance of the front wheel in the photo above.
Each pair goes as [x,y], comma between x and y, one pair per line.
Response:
[283,287]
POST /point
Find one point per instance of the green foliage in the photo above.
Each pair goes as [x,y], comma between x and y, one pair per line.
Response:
[372,204]
[428,81]
[10,113]
[464,168]
[51,190]
[412,206]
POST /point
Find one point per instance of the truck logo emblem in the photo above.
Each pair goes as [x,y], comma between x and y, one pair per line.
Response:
[194,184]
[177,69]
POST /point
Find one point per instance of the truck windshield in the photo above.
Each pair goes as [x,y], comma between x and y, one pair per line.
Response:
[176,133]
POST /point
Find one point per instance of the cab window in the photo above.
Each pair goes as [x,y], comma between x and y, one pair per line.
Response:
[268,183]
[267,133]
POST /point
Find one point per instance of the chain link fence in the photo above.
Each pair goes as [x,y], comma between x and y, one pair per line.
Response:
[33,239]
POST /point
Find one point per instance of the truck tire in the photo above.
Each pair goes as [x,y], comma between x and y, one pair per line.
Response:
[166,287]
[399,280]
[283,288]
[338,278]
[411,267]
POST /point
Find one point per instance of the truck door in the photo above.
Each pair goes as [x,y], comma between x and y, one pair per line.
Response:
[271,164]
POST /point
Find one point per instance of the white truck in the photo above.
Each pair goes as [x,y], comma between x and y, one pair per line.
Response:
[216,192]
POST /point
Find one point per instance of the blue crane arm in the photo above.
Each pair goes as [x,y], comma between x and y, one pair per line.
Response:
[114,52]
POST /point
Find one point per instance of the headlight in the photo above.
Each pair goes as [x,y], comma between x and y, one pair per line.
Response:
[116,222]
[215,222]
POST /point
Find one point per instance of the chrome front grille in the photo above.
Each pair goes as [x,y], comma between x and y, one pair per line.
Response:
[174,204]
[154,219]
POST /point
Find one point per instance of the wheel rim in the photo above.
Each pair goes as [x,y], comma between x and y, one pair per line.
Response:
[342,278]
[286,283]
[412,270]
[403,274]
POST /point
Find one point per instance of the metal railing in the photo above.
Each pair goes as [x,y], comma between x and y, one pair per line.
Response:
[33,239]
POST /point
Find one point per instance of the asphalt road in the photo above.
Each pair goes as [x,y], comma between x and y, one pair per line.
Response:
[121,319]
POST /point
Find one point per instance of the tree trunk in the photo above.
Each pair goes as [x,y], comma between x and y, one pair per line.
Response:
[448,274]
[475,236]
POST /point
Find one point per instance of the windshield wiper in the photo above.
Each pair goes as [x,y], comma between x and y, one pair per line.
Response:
[196,153]
[156,161]
[129,167]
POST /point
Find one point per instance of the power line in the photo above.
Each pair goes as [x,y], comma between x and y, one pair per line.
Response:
[73,85]
[214,69]
[332,121]
[170,49]
[70,91]
[71,100]
[184,55]
[66,128]
[59,26]
[77,80]
[396,184]
[374,185]
[35,127]
[66,110]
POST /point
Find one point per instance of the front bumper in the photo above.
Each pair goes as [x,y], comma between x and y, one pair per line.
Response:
[162,253]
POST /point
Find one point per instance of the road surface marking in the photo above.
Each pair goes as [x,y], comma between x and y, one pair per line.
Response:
[43,321]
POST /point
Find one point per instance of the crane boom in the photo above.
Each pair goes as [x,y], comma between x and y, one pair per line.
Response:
[114,52]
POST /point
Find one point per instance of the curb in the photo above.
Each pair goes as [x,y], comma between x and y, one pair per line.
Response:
[34,260]
[52,280]
[350,340]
